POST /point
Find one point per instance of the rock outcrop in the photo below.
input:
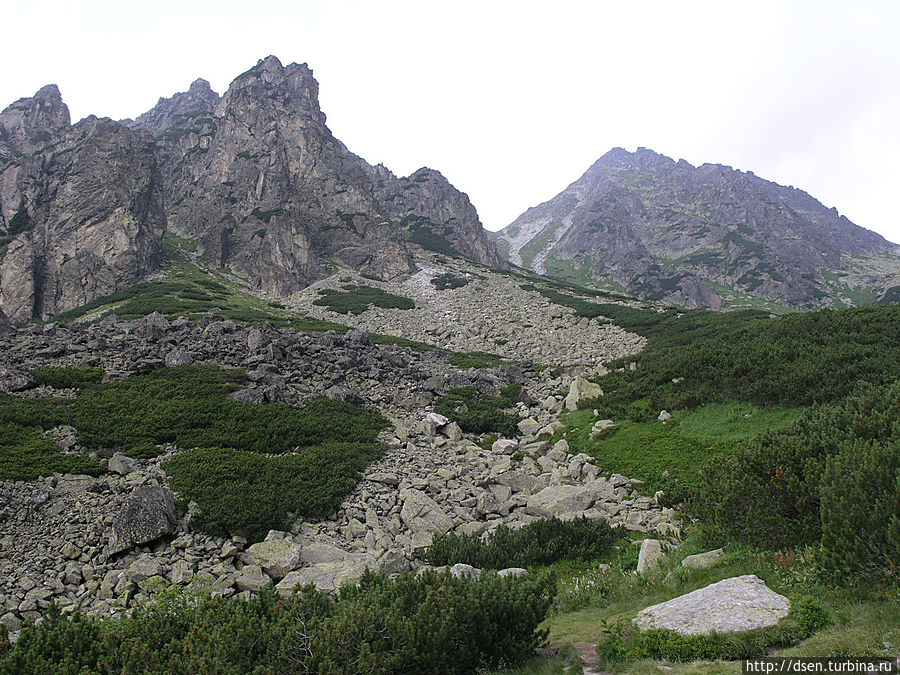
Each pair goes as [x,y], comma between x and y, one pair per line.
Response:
[81,208]
[705,236]
[434,214]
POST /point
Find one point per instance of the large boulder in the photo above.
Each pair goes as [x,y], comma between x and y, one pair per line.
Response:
[327,576]
[11,380]
[277,557]
[559,500]
[421,514]
[700,561]
[581,389]
[148,514]
[733,605]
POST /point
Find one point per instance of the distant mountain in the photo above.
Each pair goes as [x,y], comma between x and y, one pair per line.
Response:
[707,236]
[255,177]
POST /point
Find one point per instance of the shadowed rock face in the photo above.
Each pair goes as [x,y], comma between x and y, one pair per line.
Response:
[260,180]
[81,212]
[667,230]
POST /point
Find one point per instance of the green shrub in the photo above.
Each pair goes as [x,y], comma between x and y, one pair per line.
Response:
[860,506]
[357,299]
[436,623]
[67,378]
[773,492]
[26,454]
[624,643]
[245,492]
[695,357]
[58,645]
[188,406]
[448,280]
[426,624]
[478,413]
[542,542]
[466,360]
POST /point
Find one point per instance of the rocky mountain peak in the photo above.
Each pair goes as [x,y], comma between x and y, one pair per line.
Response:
[172,112]
[80,207]
[270,85]
[29,123]
[700,237]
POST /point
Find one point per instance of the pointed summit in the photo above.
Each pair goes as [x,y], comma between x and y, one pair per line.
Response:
[29,123]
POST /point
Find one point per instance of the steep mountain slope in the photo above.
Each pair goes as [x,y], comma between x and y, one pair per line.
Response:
[81,210]
[705,236]
[259,179]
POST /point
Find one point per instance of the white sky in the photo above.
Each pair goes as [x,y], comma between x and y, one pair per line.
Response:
[514,100]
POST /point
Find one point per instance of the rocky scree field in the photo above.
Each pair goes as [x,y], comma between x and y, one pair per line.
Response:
[132,450]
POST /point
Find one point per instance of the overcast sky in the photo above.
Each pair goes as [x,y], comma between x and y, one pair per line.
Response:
[512,101]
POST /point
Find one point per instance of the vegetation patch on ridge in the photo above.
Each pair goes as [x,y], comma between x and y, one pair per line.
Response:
[357,299]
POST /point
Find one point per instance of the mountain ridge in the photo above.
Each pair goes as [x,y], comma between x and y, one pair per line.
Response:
[254,177]
[669,231]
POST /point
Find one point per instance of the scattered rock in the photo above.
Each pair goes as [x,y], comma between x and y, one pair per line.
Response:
[650,556]
[276,556]
[701,561]
[122,465]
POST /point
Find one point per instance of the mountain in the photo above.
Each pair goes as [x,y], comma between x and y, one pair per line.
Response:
[260,181]
[707,236]
[254,177]
[81,207]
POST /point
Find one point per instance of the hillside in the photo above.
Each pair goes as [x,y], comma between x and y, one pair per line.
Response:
[705,236]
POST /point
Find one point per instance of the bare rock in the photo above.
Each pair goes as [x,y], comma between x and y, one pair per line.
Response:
[148,514]
[733,605]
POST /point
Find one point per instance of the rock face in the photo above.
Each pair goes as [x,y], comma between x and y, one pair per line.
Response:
[6,327]
[733,605]
[81,210]
[258,178]
[434,214]
[667,231]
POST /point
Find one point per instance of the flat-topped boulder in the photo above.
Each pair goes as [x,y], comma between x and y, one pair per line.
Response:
[734,605]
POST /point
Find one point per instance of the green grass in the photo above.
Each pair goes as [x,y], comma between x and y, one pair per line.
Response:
[566,270]
[590,602]
[734,421]
[538,243]
[357,299]
[683,446]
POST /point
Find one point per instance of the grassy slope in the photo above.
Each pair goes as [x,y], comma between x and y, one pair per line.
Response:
[682,446]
